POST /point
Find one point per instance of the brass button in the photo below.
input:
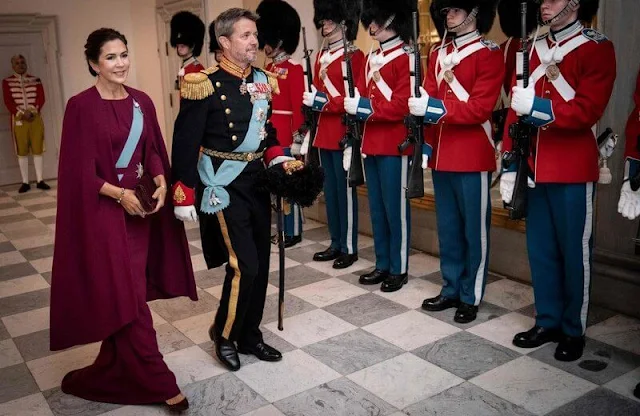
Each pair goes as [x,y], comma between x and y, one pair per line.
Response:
[544,128]
[547,92]
[223,98]
[234,137]
[449,92]
[230,125]
[227,111]
[218,84]
[249,157]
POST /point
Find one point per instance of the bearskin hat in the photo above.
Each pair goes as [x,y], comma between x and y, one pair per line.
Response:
[437,18]
[486,11]
[187,29]
[380,11]
[509,14]
[301,187]
[337,11]
[278,22]
[587,11]
[213,40]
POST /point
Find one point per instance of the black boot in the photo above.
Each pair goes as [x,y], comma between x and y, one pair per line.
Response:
[439,303]
[225,350]
[43,186]
[466,313]
[394,282]
[569,348]
[536,337]
[636,392]
[24,188]
[328,254]
[374,277]
[344,261]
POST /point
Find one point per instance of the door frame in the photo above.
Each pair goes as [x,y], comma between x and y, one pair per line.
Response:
[47,27]
[164,13]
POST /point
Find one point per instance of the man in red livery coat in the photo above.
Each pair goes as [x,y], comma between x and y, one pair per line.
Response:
[572,75]
[327,98]
[187,36]
[279,33]
[385,86]
[24,97]
[462,86]
[629,203]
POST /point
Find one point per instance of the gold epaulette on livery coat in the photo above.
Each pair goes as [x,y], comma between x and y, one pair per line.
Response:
[197,85]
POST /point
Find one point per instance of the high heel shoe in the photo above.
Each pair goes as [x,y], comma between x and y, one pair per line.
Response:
[178,407]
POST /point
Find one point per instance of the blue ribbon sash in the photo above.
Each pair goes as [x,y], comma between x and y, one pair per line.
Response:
[135,133]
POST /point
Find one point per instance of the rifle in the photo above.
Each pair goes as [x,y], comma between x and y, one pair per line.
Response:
[520,133]
[634,184]
[310,117]
[280,213]
[414,124]
[352,137]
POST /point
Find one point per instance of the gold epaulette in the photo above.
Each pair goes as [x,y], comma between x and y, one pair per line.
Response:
[197,85]
[273,81]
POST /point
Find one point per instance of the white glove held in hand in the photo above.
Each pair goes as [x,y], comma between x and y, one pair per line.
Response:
[418,106]
[351,103]
[346,158]
[186,214]
[629,203]
[309,97]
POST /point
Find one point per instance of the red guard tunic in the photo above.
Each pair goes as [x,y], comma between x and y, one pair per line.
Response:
[565,148]
[385,81]
[287,114]
[329,79]
[189,66]
[462,137]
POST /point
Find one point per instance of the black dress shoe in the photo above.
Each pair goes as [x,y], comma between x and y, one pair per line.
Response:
[439,303]
[225,350]
[536,337]
[292,240]
[43,186]
[466,313]
[263,351]
[344,261]
[636,392]
[394,282]
[569,348]
[374,277]
[24,188]
[328,254]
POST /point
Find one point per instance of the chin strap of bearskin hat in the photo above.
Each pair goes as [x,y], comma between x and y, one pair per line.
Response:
[384,26]
[571,6]
[470,18]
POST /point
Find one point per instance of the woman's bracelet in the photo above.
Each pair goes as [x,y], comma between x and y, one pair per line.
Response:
[121,196]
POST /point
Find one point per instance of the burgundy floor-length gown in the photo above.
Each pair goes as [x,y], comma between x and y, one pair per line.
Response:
[129,368]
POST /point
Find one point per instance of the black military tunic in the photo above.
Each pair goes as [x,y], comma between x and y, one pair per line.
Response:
[215,115]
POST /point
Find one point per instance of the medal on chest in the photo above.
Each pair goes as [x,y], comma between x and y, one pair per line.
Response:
[257,91]
[552,72]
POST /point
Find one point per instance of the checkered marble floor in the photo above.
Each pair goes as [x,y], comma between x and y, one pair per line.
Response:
[348,349]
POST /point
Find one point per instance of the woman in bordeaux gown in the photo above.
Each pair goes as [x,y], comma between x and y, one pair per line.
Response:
[111,256]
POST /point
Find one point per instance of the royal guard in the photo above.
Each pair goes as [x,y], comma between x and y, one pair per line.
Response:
[629,203]
[24,97]
[279,34]
[187,36]
[510,23]
[327,98]
[462,86]
[572,72]
[384,86]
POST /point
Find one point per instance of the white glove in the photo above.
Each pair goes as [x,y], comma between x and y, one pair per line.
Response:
[309,97]
[346,158]
[507,185]
[425,161]
[351,103]
[522,99]
[629,203]
[304,149]
[186,214]
[418,106]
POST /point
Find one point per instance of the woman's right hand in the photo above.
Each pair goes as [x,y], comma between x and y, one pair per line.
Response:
[131,204]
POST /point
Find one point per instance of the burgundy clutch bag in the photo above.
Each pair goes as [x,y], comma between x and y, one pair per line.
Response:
[144,192]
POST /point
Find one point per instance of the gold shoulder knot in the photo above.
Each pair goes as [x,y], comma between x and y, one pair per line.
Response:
[211,70]
[273,82]
[196,86]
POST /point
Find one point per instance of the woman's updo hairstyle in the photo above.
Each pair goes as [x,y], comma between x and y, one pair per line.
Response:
[96,39]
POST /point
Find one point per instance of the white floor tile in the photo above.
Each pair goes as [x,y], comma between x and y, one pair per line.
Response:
[9,258]
[21,285]
[625,384]
[502,330]
[27,322]
[620,331]
[49,371]
[509,294]
[196,328]
[413,293]
[327,292]
[9,354]
[193,364]
[411,330]
[33,405]
[422,264]
[326,267]
[310,327]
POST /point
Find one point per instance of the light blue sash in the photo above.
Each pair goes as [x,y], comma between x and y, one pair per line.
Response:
[132,141]
[215,198]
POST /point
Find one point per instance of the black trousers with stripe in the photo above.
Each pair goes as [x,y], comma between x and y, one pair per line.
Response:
[246,228]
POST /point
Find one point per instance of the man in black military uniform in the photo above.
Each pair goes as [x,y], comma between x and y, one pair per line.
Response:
[224,114]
